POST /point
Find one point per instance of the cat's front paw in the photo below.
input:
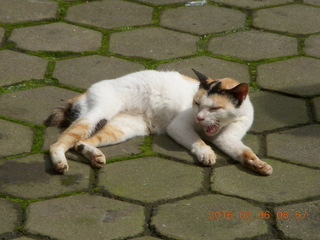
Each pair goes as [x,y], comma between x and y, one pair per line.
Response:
[250,160]
[61,166]
[204,154]
[98,159]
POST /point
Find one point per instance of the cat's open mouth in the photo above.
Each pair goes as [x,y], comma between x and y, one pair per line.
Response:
[212,129]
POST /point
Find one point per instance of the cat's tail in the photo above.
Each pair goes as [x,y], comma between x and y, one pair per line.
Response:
[64,115]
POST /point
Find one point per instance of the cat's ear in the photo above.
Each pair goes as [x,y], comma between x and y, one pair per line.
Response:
[204,80]
[239,93]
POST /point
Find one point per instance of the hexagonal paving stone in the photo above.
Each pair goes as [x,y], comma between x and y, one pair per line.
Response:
[33,177]
[16,11]
[302,221]
[14,138]
[70,218]
[294,18]
[125,149]
[9,216]
[75,71]
[56,37]
[33,105]
[110,14]
[312,46]
[145,183]
[252,3]
[272,111]
[281,186]
[196,19]
[211,67]
[296,76]
[16,67]
[189,219]
[149,43]
[316,103]
[253,45]
[301,145]
[164,145]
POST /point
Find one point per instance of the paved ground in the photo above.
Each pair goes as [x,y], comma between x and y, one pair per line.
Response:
[152,188]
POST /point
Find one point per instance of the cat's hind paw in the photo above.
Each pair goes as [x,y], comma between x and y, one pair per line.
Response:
[92,153]
[97,160]
[61,166]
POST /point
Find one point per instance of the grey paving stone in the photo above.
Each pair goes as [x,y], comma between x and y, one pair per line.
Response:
[281,186]
[150,179]
[254,142]
[33,177]
[301,145]
[16,11]
[17,67]
[85,217]
[2,31]
[272,111]
[56,37]
[196,19]
[302,222]
[211,67]
[316,103]
[33,105]
[84,71]
[23,238]
[155,43]
[189,219]
[14,138]
[313,2]
[296,76]
[252,3]
[162,2]
[9,216]
[110,14]
[164,145]
[130,147]
[253,45]
[312,46]
[293,18]
[146,238]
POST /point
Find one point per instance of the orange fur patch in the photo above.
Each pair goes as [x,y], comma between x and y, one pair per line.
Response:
[220,100]
[190,79]
[228,83]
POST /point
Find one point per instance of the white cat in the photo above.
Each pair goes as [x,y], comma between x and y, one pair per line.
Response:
[152,102]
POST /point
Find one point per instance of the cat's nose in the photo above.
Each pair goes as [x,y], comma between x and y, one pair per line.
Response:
[200,119]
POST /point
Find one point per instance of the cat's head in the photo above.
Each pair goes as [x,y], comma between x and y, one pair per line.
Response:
[217,102]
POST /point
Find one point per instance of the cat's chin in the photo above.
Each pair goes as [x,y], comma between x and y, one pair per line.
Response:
[211,129]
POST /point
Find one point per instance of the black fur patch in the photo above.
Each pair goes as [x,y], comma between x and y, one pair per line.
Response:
[99,125]
[80,148]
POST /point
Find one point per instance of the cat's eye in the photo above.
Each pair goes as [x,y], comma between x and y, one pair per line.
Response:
[212,109]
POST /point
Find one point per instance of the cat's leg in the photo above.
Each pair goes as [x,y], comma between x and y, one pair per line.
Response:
[229,141]
[181,129]
[119,129]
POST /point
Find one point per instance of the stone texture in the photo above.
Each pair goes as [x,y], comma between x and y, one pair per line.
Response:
[313,2]
[14,138]
[252,3]
[2,31]
[17,11]
[164,145]
[289,19]
[144,182]
[56,37]
[75,72]
[281,186]
[9,216]
[212,67]
[29,177]
[150,42]
[110,14]
[128,148]
[70,218]
[188,219]
[33,105]
[162,2]
[253,45]
[17,67]
[303,148]
[146,238]
[312,46]
[299,225]
[272,111]
[316,103]
[196,19]
[296,76]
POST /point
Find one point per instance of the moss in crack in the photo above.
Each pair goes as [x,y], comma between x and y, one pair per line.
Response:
[38,139]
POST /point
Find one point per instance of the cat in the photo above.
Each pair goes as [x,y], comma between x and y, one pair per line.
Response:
[153,102]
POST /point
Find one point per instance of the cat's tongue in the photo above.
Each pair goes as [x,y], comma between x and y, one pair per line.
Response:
[212,129]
